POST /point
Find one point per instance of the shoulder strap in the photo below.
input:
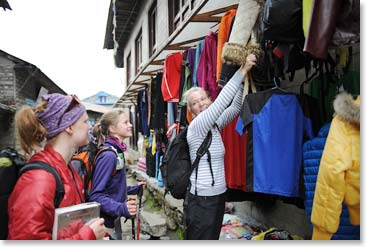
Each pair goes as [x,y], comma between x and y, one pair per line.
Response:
[102,149]
[91,168]
[204,147]
[59,195]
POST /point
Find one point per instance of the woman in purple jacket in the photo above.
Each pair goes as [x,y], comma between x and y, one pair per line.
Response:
[109,186]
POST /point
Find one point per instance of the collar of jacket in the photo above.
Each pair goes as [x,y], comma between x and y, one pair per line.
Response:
[347,108]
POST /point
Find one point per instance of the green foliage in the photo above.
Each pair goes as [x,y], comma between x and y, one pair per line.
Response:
[151,203]
[180,233]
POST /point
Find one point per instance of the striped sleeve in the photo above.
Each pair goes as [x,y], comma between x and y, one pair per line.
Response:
[203,122]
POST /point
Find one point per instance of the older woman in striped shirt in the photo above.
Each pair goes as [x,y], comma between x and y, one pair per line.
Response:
[205,202]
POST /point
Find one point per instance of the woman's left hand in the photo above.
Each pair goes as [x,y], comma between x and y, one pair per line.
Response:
[250,62]
[142,184]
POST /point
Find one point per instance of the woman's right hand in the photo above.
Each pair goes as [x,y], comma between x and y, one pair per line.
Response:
[250,61]
[98,227]
[132,206]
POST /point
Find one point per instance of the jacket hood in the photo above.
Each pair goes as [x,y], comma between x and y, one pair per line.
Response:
[347,108]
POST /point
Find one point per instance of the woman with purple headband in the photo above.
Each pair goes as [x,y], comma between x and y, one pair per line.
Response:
[51,132]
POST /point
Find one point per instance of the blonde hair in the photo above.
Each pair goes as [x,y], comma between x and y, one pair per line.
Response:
[100,130]
[30,130]
[187,94]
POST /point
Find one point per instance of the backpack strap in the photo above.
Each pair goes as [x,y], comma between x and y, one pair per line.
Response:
[59,195]
[204,147]
[91,168]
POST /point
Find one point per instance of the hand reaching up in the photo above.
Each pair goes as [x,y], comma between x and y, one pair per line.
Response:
[250,61]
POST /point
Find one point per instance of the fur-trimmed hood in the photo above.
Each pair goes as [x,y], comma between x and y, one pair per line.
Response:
[347,108]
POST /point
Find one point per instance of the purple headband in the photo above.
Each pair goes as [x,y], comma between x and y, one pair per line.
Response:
[54,118]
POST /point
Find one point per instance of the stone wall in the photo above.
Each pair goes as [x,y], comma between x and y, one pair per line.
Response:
[277,214]
[173,208]
[7,82]
[7,98]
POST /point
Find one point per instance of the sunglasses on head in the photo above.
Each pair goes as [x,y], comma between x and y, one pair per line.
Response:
[74,102]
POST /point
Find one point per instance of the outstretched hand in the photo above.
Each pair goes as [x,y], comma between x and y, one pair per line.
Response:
[142,184]
[250,61]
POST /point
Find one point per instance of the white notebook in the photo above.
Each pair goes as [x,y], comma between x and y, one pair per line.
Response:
[68,219]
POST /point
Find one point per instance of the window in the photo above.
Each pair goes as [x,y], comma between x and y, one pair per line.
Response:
[152,28]
[179,10]
[128,69]
[102,99]
[138,52]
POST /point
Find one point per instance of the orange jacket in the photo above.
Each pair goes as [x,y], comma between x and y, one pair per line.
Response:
[223,33]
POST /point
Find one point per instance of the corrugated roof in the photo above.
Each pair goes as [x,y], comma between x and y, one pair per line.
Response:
[21,65]
[126,13]
[95,108]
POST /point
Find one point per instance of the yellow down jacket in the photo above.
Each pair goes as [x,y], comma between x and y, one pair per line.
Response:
[339,174]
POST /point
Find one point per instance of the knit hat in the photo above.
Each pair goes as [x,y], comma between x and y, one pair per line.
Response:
[57,116]
[236,49]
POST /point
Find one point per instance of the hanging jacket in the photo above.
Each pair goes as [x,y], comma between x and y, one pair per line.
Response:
[206,71]
[312,153]
[31,204]
[171,77]
[223,34]
[277,123]
[332,23]
[339,173]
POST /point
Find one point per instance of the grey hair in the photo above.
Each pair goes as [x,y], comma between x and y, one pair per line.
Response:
[188,93]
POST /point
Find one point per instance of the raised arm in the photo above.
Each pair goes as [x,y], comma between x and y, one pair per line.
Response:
[203,122]
[232,111]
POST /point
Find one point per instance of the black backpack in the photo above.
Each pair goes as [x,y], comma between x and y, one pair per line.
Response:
[12,166]
[176,165]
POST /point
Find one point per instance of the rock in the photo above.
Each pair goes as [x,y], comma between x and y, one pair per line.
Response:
[153,224]
[171,224]
[131,156]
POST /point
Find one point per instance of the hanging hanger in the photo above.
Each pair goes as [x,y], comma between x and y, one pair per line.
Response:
[276,85]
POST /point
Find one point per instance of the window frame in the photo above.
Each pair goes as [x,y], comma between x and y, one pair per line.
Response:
[138,51]
[153,22]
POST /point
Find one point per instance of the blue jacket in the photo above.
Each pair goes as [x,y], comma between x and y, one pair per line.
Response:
[109,186]
[312,153]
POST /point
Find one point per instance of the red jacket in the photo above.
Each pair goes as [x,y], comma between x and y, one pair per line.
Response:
[171,77]
[31,204]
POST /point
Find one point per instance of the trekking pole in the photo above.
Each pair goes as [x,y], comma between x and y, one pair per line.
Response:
[140,195]
[132,222]
[133,228]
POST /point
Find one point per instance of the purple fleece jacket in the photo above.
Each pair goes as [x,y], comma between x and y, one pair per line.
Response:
[111,190]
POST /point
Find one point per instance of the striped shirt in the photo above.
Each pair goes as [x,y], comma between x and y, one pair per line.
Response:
[226,107]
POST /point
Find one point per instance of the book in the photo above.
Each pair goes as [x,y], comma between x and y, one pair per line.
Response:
[68,220]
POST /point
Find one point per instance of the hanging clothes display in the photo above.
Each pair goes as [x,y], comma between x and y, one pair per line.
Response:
[143,111]
[207,66]
[171,77]
[276,126]
[312,153]
[235,156]
[159,106]
[190,63]
[185,80]
[332,23]
[338,179]
[199,49]
[223,34]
